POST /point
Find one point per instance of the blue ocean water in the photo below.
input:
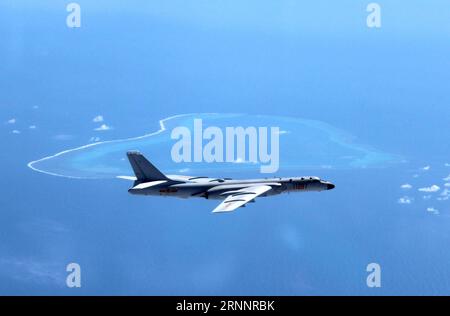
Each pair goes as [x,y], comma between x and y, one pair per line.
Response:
[137,64]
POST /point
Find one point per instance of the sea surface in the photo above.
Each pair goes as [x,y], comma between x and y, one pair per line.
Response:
[376,96]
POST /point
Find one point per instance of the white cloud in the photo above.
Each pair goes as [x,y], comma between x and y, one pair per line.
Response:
[447,185]
[15,131]
[11,121]
[406,186]
[445,195]
[426,168]
[432,210]
[405,200]
[97,119]
[94,139]
[433,188]
[103,127]
[447,178]
[32,127]
[426,197]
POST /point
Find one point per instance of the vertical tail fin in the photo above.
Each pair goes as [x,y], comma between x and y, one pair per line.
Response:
[143,169]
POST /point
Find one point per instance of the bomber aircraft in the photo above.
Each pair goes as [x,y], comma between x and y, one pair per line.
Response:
[233,193]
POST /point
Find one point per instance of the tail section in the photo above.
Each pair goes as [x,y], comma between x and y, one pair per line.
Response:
[143,169]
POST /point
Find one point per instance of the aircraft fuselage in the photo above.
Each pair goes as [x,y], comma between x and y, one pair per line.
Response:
[213,188]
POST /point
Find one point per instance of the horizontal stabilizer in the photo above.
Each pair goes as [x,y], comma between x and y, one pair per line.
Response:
[145,185]
[131,178]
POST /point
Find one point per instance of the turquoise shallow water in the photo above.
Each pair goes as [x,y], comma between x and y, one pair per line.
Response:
[303,144]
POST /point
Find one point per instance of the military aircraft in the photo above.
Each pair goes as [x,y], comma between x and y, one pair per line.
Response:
[234,193]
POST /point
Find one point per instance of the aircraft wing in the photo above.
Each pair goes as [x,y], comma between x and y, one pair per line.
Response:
[240,197]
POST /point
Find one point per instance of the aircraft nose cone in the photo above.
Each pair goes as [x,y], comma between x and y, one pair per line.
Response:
[330,186]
